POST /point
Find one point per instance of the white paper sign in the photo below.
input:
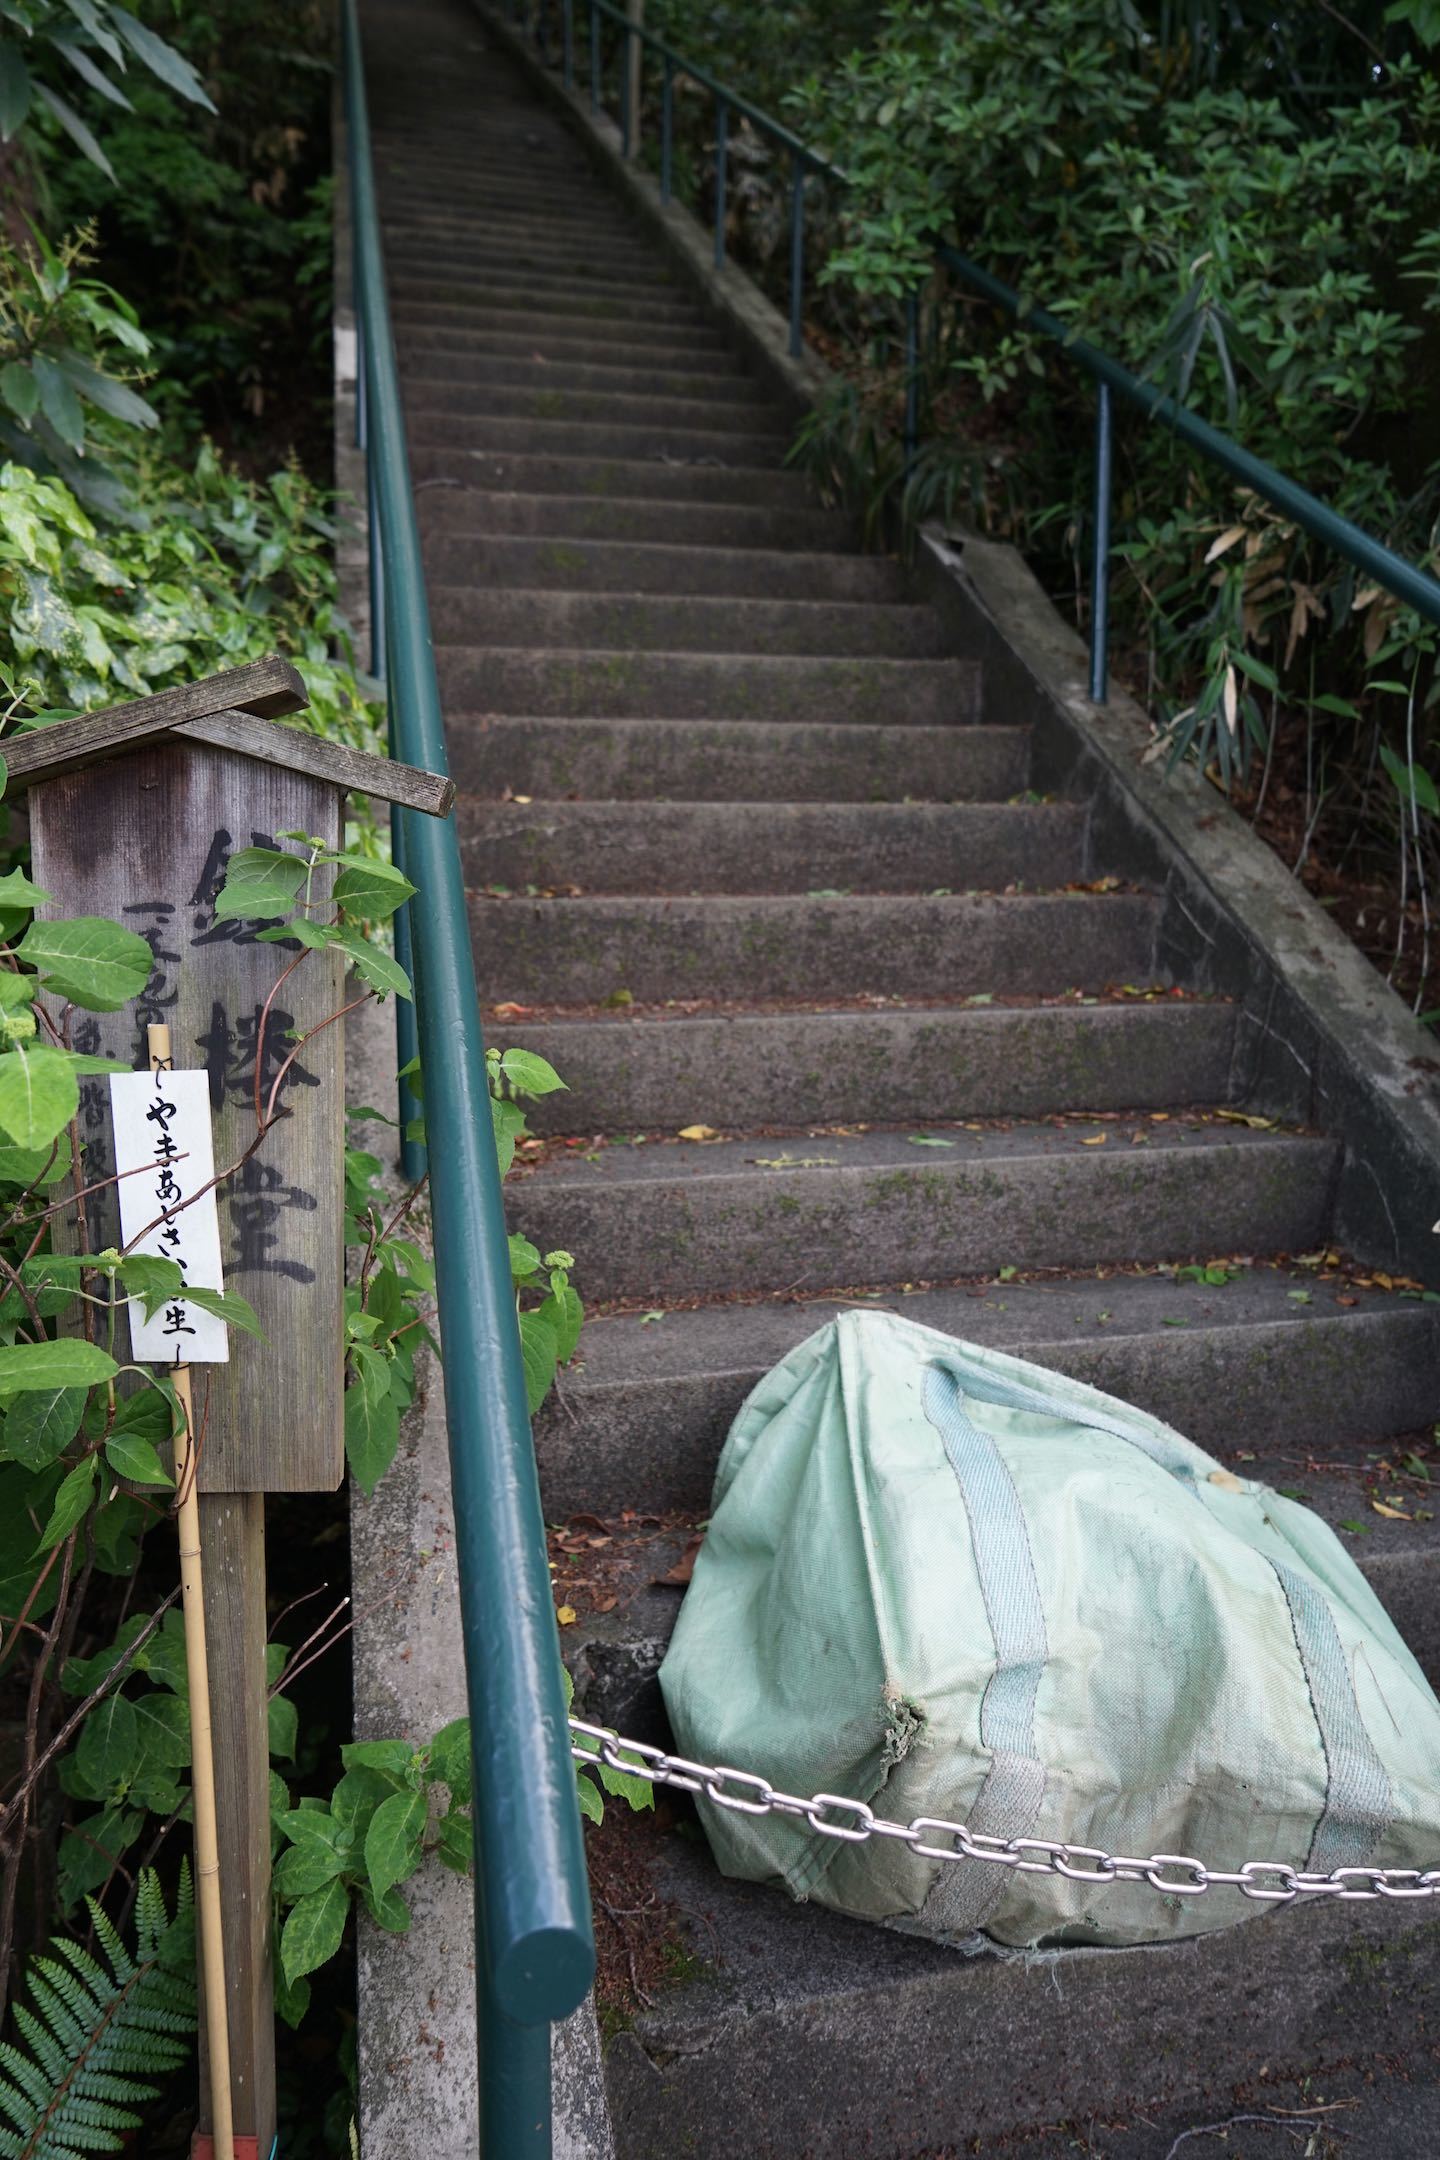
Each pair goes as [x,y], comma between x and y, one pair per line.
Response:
[163,1135]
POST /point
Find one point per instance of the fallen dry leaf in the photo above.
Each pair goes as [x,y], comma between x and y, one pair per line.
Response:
[698,1132]
[684,1567]
[1243,1117]
[510,1011]
[1096,1139]
[566,1615]
[1391,1514]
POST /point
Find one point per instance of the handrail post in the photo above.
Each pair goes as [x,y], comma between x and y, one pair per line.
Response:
[912,377]
[722,140]
[567,43]
[627,94]
[667,124]
[797,254]
[1100,560]
[375,551]
[594,57]
[515,2083]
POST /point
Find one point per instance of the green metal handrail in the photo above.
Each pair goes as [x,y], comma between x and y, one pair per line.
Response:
[1405,579]
[535,1951]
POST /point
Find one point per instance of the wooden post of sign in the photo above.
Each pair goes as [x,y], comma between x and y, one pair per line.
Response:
[134,815]
[216,2019]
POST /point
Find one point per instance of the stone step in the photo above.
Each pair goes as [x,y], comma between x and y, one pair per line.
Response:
[551,340]
[670,1219]
[553,622]
[735,761]
[436,219]
[526,373]
[572,563]
[576,952]
[453,296]
[707,686]
[720,445]
[484,255]
[1246,1365]
[831,2018]
[515,354]
[655,1071]
[777,518]
[642,484]
[550,397]
[682,847]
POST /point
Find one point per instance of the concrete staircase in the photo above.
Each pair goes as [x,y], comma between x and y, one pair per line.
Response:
[753,848]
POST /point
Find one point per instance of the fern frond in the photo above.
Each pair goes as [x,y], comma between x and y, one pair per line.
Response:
[97,2035]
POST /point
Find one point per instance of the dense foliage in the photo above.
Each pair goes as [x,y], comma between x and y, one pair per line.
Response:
[1242,215]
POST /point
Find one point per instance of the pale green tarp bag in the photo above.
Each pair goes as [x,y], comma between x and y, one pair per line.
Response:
[955,1584]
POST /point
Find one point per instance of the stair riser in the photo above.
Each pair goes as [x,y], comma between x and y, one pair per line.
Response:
[1206,2029]
[594,281]
[596,439]
[576,952]
[659,847]
[554,622]
[438,376]
[573,565]
[549,396]
[705,686]
[532,339]
[639,486]
[572,266]
[653,1444]
[676,370]
[655,522]
[814,1227]
[745,1072]
[451,298]
[737,761]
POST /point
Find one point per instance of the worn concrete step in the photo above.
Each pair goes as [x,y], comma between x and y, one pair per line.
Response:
[427,373]
[1269,1361]
[560,237]
[684,847]
[549,396]
[735,760]
[833,2018]
[797,1066]
[482,262]
[552,341]
[707,686]
[479,196]
[560,621]
[642,484]
[658,438]
[450,296]
[777,520]
[516,355]
[573,563]
[675,1220]
[484,258]
[577,952]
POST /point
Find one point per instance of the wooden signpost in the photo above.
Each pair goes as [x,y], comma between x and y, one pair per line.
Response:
[134,814]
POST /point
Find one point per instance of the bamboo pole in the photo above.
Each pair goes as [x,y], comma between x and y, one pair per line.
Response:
[202,1751]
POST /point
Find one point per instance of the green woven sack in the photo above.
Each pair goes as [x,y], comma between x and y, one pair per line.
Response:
[954,1584]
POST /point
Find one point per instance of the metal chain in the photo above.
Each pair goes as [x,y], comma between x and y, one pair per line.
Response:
[1267,1882]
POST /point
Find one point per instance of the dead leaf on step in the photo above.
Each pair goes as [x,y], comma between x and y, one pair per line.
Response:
[1391,1514]
[1094,1139]
[684,1567]
[698,1132]
[1243,1117]
[566,1615]
[509,1011]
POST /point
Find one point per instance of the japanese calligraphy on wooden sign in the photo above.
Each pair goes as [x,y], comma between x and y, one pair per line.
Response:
[134,815]
[168,1208]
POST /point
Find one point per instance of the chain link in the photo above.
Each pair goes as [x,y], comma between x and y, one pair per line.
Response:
[1266,1882]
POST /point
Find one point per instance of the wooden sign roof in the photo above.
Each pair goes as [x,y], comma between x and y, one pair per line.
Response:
[230,711]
